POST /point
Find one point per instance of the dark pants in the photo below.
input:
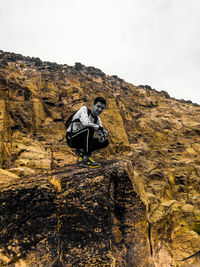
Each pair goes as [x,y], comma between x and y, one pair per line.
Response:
[84,140]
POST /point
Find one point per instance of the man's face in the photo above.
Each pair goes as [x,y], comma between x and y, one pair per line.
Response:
[98,108]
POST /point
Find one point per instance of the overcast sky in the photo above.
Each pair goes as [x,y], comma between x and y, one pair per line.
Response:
[148,42]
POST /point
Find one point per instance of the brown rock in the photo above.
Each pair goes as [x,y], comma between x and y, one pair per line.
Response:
[142,210]
[80,218]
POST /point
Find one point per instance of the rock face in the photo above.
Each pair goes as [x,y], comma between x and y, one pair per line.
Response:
[75,218]
[141,208]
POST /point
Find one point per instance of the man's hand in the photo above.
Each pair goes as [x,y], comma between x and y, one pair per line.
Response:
[96,127]
[105,132]
[102,134]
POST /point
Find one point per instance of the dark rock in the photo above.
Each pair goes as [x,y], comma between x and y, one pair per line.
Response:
[79,66]
[78,225]
[148,87]
[164,93]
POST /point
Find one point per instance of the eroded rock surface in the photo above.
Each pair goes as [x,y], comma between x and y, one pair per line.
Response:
[147,209]
[74,218]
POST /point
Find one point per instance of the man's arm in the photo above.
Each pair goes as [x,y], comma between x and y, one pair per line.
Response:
[102,129]
[102,132]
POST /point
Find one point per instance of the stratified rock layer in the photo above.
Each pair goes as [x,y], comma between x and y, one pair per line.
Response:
[142,209]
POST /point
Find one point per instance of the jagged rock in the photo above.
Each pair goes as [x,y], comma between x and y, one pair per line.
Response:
[145,203]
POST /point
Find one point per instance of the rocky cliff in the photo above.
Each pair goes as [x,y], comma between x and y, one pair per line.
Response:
[141,208]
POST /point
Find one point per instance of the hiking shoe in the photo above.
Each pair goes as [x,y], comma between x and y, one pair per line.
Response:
[92,160]
[79,154]
[87,163]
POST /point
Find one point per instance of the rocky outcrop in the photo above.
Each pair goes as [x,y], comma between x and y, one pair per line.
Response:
[140,209]
[74,218]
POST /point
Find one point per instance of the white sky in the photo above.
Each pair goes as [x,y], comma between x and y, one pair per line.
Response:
[148,42]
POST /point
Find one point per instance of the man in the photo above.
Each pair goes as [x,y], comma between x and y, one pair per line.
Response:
[80,133]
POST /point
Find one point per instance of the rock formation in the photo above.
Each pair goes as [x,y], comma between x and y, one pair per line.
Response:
[141,208]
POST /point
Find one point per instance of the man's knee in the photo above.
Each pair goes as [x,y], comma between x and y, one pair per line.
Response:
[90,128]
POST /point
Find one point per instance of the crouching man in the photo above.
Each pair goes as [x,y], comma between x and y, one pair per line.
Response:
[80,132]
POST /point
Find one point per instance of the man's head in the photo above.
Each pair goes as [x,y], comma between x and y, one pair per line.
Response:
[98,106]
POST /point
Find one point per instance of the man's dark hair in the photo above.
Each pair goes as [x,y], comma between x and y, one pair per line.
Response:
[100,99]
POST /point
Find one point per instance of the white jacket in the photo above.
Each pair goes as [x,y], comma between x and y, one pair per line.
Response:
[83,120]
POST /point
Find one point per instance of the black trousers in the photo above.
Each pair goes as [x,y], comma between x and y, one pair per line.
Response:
[84,140]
